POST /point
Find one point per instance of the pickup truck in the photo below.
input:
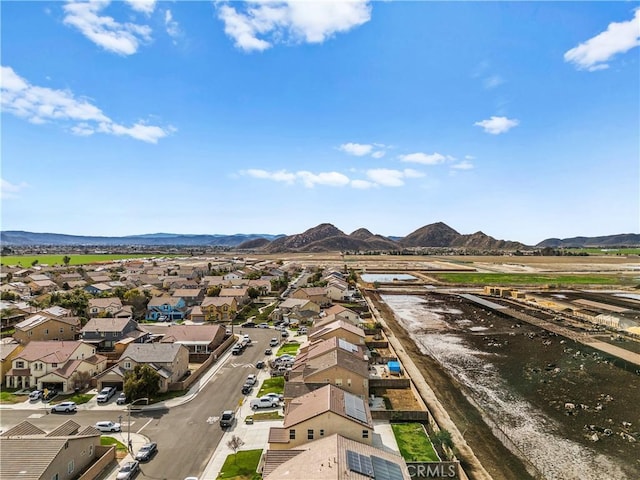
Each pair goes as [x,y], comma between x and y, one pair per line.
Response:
[263,402]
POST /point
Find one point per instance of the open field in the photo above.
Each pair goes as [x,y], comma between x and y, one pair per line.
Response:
[570,410]
[27,260]
[534,279]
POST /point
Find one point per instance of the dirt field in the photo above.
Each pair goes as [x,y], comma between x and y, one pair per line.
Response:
[571,412]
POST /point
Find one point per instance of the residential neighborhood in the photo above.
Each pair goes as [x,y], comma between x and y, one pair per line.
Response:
[176,322]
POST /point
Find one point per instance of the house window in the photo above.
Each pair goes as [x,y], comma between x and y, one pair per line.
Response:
[321,432]
[61,329]
[30,333]
[55,477]
[309,434]
[19,364]
[292,434]
[349,382]
[54,365]
[70,467]
[338,382]
[365,433]
[127,365]
[46,331]
[91,450]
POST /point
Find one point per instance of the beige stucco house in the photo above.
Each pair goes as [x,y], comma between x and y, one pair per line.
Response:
[321,413]
[42,326]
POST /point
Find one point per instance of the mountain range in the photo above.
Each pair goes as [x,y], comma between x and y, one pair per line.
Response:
[322,238]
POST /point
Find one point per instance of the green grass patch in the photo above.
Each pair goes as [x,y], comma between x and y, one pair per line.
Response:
[264,316]
[530,279]
[27,260]
[241,465]
[8,396]
[603,251]
[79,398]
[272,385]
[161,397]
[413,442]
[267,416]
[108,441]
[291,348]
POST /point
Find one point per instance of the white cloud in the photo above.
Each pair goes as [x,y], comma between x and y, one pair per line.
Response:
[145,6]
[332,179]
[173,29]
[40,105]
[104,31]
[290,21]
[391,178]
[497,125]
[619,37]
[464,165]
[10,190]
[357,149]
[308,179]
[492,82]
[362,184]
[378,154]
[425,158]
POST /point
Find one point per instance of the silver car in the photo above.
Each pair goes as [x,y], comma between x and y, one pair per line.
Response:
[108,426]
[66,407]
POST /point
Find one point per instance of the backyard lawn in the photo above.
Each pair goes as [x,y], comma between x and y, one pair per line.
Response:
[413,442]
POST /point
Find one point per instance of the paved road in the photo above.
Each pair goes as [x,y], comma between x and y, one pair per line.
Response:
[187,435]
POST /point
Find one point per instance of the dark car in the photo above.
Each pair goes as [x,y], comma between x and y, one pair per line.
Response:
[260,365]
[247,388]
[49,395]
[227,418]
[147,451]
[268,351]
[248,325]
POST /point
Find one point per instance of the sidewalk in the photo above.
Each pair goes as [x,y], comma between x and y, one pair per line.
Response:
[137,441]
[254,436]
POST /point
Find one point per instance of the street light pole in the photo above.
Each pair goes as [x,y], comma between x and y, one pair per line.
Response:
[129,421]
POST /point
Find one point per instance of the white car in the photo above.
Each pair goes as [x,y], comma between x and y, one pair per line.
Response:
[64,407]
[108,426]
[105,394]
[36,395]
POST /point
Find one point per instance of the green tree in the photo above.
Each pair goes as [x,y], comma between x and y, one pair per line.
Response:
[138,300]
[214,291]
[66,259]
[34,263]
[8,296]
[143,381]
[443,437]
[253,293]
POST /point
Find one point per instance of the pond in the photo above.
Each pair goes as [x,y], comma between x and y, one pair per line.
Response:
[387,277]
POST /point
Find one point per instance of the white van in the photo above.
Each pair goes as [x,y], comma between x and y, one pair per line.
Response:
[263,402]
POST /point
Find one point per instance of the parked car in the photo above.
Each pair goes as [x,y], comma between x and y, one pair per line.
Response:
[268,351]
[285,334]
[302,331]
[36,395]
[147,451]
[251,379]
[260,365]
[128,470]
[236,350]
[263,402]
[122,399]
[274,342]
[275,396]
[247,388]
[66,407]
[49,395]
[227,418]
[263,325]
[105,394]
[284,358]
[108,426]
[248,324]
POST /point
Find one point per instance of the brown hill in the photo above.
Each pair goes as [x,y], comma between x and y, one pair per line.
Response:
[481,241]
[433,235]
[301,240]
[254,244]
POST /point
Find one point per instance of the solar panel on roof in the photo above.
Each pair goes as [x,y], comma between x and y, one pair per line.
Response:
[354,407]
[349,347]
[359,463]
[384,469]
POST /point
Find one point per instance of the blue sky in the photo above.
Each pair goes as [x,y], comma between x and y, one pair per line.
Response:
[518,119]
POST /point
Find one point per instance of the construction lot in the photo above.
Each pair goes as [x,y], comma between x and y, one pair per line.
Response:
[564,407]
